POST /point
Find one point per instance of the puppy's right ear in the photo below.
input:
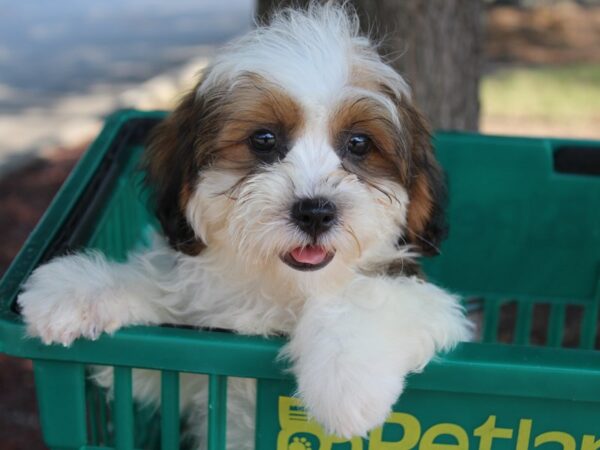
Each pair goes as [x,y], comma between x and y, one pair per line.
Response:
[426,218]
[173,161]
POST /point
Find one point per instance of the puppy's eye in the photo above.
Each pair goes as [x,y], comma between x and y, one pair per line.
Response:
[359,145]
[263,141]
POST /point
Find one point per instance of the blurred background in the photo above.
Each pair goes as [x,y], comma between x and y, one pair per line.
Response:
[528,67]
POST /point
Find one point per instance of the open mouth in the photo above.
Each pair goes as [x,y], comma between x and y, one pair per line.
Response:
[312,257]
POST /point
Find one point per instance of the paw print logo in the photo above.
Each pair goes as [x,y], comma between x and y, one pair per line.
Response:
[298,432]
[300,444]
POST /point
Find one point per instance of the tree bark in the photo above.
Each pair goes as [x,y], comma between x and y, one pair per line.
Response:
[435,44]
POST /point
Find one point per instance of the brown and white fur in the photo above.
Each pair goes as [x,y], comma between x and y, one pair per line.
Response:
[301,109]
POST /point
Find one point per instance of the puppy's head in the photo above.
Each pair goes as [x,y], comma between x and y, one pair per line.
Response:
[299,150]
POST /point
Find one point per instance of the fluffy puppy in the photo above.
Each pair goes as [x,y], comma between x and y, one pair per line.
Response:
[296,187]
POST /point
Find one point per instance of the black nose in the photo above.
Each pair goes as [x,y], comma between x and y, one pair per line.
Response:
[313,215]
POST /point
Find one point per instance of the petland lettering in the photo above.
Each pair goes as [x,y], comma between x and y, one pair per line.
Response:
[299,433]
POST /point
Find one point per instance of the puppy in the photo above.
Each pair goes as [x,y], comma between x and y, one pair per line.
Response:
[296,188]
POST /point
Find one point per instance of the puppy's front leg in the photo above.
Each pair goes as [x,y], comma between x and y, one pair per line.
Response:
[351,352]
[85,295]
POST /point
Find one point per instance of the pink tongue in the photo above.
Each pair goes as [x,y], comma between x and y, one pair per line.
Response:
[309,255]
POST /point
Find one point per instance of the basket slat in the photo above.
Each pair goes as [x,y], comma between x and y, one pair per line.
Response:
[217,412]
[523,324]
[123,409]
[169,410]
[556,325]
[61,400]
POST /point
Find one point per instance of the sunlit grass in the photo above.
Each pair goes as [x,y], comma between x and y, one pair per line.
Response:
[562,93]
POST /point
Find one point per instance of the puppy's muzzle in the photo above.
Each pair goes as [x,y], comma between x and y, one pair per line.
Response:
[314,216]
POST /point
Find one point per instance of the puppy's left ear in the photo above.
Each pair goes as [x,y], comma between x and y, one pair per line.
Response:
[426,220]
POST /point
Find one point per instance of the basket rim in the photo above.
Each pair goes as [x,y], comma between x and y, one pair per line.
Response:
[494,369]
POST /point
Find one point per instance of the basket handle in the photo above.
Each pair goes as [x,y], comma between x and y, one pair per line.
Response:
[578,160]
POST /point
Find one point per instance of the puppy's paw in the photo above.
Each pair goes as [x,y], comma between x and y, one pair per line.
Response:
[68,298]
[349,403]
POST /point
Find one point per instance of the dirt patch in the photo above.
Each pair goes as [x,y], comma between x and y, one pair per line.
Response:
[561,34]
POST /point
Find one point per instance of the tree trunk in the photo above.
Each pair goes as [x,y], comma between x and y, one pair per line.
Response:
[434,44]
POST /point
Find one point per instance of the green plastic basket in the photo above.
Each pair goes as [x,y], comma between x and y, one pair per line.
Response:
[524,249]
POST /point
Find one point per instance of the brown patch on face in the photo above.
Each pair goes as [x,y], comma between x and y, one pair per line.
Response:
[255,104]
[212,130]
[365,115]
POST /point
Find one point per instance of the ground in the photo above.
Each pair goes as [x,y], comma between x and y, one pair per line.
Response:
[542,77]
[542,73]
